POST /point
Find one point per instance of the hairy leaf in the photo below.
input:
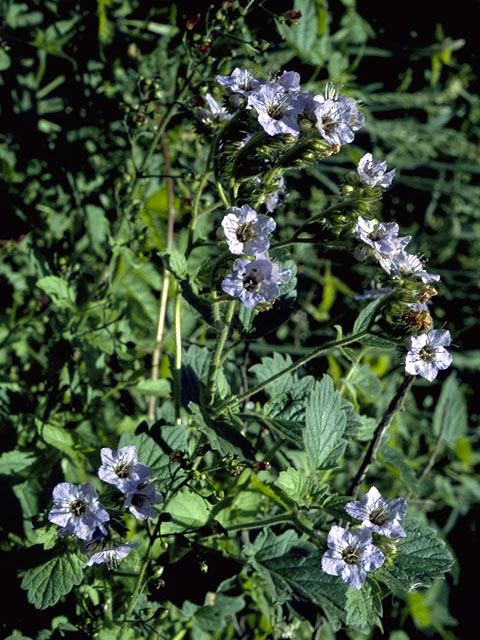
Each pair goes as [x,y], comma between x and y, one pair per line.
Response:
[51,581]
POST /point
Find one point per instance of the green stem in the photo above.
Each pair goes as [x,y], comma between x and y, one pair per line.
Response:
[135,594]
[177,371]
[195,210]
[330,346]
[216,361]
[290,517]
[222,195]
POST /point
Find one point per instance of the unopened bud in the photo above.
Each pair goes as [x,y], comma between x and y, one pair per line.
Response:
[203,48]
[193,21]
[261,465]
[305,124]
[237,100]
[293,15]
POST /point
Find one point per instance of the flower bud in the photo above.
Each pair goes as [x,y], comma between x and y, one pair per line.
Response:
[193,21]
[305,124]
[237,100]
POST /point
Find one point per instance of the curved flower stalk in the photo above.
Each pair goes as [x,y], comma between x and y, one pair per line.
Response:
[379,515]
[351,555]
[254,282]
[247,231]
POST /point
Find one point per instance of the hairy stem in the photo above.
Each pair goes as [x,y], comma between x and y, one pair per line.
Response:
[216,361]
[320,351]
[395,405]
[177,370]
[157,350]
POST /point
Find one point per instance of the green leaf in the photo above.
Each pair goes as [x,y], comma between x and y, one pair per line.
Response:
[51,581]
[97,227]
[176,263]
[57,437]
[271,366]
[362,608]
[450,415]
[366,383]
[301,36]
[396,459]
[299,486]
[367,315]
[421,557]
[13,462]
[325,423]
[213,615]
[158,388]
[188,510]
[58,290]
[222,436]
[293,571]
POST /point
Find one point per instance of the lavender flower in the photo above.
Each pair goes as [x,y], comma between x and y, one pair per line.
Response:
[373,173]
[427,354]
[332,122]
[290,81]
[122,468]
[247,231]
[377,514]
[351,555]
[77,510]
[140,502]
[276,109]
[239,81]
[273,198]
[256,281]
[214,113]
[403,264]
[381,237]
[110,553]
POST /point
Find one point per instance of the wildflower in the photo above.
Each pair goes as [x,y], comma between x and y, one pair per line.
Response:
[140,501]
[77,510]
[122,468]
[256,281]
[110,553]
[276,109]
[215,112]
[381,237]
[379,515]
[239,81]
[271,201]
[351,555]
[403,264]
[373,173]
[290,81]
[373,294]
[427,354]
[247,231]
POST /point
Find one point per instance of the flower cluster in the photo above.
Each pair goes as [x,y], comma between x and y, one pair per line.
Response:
[426,352]
[351,554]
[257,280]
[78,511]
[281,107]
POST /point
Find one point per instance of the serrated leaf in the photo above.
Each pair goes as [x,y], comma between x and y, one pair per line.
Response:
[188,511]
[396,459]
[450,415]
[366,382]
[293,568]
[360,608]
[367,315]
[213,615]
[325,423]
[301,36]
[176,263]
[299,486]
[57,437]
[51,581]
[13,462]
[58,290]
[421,557]
[269,367]
[222,436]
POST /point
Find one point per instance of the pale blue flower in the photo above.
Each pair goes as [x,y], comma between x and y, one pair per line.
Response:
[427,354]
[256,281]
[122,468]
[290,81]
[381,237]
[404,265]
[374,173]
[351,554]
[77,510]
[379,515]
[276,109]
[214,113]
[110,553]
[247,231]
[140,502]
[239,81]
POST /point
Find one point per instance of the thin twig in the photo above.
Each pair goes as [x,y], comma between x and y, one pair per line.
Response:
[157,350]
[395,405]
